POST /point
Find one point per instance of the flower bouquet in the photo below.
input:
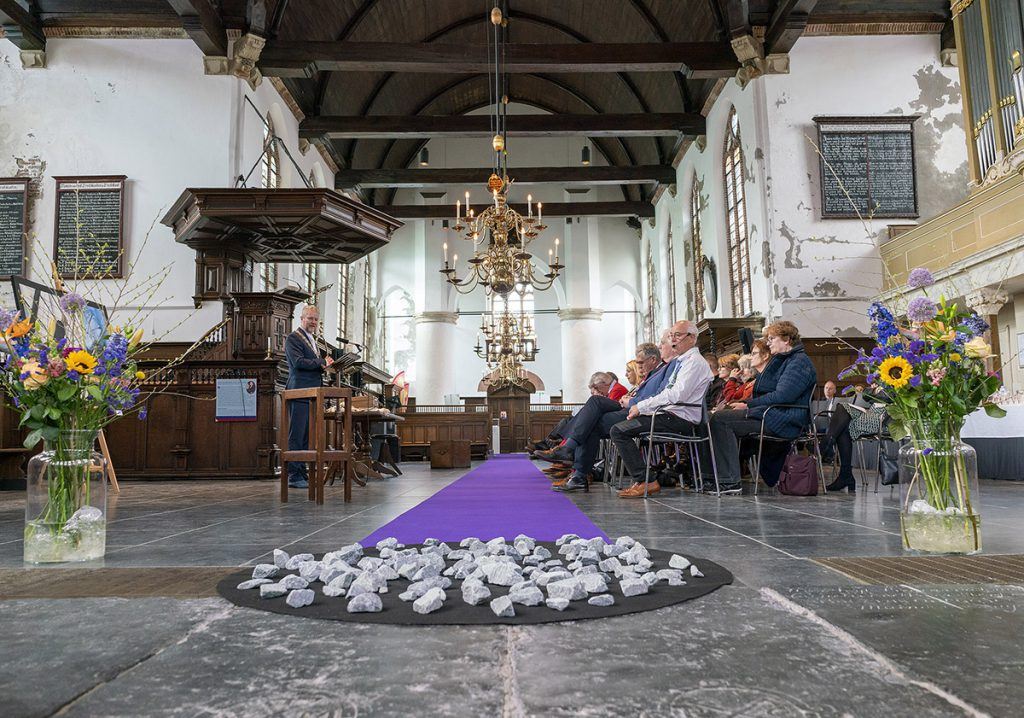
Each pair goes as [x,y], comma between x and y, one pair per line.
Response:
[931,371]
[67,383]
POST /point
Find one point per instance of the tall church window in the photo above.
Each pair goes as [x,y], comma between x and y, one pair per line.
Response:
[367,308]
[309,280]
[343,300]
[696,244]
[670,260]
[736,221]
[652,300]
[271,176]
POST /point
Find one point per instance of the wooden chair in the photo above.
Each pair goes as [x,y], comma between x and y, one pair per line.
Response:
[320,438]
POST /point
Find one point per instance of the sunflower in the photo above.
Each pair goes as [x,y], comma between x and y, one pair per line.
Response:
[896,372]
[81,361]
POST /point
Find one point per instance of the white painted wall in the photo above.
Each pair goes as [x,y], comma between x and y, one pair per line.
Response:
[818,273]
[141,108]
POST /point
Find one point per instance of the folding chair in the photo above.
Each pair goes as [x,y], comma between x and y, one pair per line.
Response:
[691,440]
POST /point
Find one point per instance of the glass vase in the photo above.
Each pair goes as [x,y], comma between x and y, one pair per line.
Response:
[940,507]
[66,501]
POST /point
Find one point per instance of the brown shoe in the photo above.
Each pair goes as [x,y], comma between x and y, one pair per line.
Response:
[637,491]
[629,488]
[560,482]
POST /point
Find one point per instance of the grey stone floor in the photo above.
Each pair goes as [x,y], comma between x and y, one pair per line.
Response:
[789,638]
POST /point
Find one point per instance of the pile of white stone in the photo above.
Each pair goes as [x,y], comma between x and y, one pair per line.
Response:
[583,569]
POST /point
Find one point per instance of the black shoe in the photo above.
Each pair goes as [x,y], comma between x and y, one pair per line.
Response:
[848,483]
[576,483]
[709,485]
[555,455]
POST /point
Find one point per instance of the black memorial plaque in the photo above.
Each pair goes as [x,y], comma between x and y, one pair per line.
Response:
[88,226]
[13,221]
[867,167]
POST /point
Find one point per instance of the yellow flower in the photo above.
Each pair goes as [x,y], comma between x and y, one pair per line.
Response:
[939,331]
[978,348]
[140,375]
[955,357]
[136,338]
[81,361]
[896,372]
[19,329]
[37,374]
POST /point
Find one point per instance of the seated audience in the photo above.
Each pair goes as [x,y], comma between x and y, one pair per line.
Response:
[687,384]
[595,423]
[615,390]
[632,374]
[740,387]
[865,415]
[726,364]
[714,394]
[788,378]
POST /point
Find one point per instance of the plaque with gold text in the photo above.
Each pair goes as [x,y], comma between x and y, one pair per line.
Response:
[89,226]
[867,167]
[13,224]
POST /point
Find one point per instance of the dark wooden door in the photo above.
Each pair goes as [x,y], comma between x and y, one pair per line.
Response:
[510,407]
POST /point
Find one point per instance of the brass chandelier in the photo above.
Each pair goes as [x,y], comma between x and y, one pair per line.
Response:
[507,335]
[501,236]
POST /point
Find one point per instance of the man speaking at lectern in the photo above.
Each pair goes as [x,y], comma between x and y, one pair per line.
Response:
[305,371]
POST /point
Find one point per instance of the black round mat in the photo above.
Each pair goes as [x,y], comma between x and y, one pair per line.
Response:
[456,612]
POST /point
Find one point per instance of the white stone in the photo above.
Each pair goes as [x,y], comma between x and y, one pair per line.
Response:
[597,544]
[634,587]
[530,596]
[695,572]
[391,542]
[650,578]
[252,583]
[340,575]
[474,593]
[666,574]
[680,562]
[613,549]
[626,541]
[388,573]
[565,538]
[467,542]
[520,585]
[293,582]
[643,565]
[367,582]
[265,570]
[280,558]
[293,563]
[346,554]
[333,590]
[408,596]
[570,589]
[299,598]
[542,553]
[604,599]
[368,563]
[610,565]
[558,604]
[425,573]
[310,570]
[365,603]
[431,542]
[502,574]
[594,583]
[502,607]
[272,590]
[430,601]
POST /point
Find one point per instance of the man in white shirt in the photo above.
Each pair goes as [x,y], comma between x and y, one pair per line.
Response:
[687,384]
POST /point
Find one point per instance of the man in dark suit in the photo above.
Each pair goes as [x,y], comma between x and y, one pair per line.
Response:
[305,371]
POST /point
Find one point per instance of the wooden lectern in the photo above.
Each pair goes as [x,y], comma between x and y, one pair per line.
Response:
[320,437]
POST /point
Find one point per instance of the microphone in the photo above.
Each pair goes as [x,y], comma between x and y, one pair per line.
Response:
[343,340]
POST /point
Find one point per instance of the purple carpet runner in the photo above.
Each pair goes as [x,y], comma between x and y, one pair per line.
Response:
[505,496]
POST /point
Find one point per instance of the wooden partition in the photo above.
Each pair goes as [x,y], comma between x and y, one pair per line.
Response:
[544,417]
[427,423]
[180,439]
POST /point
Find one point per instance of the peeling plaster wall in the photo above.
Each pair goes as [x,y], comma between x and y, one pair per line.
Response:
[142,108]
[827,270]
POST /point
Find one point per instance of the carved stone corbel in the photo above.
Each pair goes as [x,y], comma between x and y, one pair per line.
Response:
[987,301]
[216,65]
[246,54]
[33,59]
[701,141]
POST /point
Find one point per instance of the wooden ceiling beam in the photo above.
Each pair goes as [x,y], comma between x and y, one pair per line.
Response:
[787,25]
[732,17]
[21,27]
[203,24]
[303,59]
[413,178]
[553,209]
[596,125]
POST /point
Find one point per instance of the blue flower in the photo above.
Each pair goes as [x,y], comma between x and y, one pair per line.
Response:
[7,317]
[916,346]
[915,380]
[928,357]
[73,375]
[143,413]
[872,378]
[975,324]
[848,371]
[928,451]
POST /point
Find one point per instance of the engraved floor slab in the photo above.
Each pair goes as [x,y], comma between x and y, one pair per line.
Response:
[928,570]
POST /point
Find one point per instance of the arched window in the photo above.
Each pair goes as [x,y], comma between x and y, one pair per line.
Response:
[670,260]
[517,302]
[652,297]
[367,308]
[696,244]
[271,176]
[309,280]
[343,300]
[736,220]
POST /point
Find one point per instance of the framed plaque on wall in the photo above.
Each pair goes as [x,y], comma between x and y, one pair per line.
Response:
[867,167]
[13,224]
[88,227]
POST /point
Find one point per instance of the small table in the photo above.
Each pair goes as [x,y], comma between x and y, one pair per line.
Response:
[999,443]
[318,436]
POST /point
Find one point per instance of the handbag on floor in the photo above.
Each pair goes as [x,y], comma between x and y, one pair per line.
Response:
[888,468]
[799,475]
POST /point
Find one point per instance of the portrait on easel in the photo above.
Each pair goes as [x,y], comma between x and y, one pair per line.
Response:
[42,303]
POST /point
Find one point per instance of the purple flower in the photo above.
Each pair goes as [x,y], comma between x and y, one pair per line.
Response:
[921,309]
[142,414]
[848,371]
[871,378]
[916,346]
[72,303]
[928,451]
[915,380]
[975,324]
[928,357]
[920,277]
[878,354]
[73,375]
[7,317]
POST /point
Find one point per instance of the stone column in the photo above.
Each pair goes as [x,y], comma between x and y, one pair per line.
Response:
[435,356]
[987,302]
[581,355]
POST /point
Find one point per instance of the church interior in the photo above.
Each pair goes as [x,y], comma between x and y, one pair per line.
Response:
[684,336]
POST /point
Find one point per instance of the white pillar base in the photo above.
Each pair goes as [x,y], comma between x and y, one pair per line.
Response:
[580,351]
[435,363]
